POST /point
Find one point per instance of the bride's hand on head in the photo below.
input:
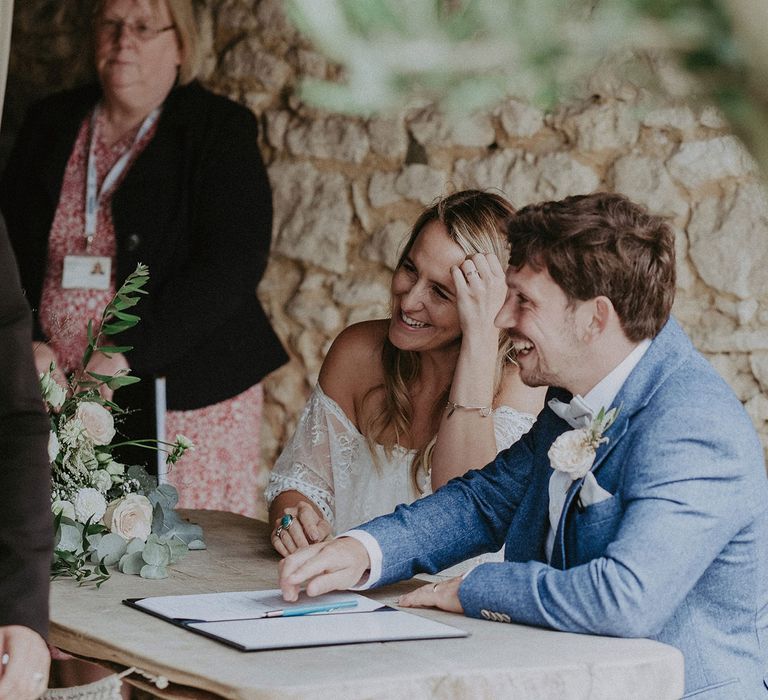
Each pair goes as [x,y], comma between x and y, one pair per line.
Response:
[298,527]
[480,292]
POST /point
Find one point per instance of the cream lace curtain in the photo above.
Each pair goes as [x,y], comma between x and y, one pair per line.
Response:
[6,14]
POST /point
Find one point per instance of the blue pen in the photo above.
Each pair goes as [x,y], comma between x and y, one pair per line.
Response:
[310,609]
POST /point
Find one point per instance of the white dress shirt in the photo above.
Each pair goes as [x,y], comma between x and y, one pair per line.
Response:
[600,396]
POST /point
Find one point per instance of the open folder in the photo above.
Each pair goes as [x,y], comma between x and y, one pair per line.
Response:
[259,620]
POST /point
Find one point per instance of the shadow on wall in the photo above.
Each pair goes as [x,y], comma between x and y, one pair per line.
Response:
[49,52]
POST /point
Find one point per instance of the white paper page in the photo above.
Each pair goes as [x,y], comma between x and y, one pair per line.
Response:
[325,630]
[244,605]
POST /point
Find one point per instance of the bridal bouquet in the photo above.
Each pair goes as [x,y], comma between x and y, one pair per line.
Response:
[108,513]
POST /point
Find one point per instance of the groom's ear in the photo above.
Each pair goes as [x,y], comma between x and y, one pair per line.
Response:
[603,314]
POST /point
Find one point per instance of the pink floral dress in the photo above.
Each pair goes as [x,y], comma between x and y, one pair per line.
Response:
[222,472]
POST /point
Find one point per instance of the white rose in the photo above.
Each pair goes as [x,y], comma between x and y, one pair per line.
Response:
[89,503]
[572,453]
[53,393]
[115,468]
[63,507]
[53,446]
[129,517]
[101,480]
[97,421]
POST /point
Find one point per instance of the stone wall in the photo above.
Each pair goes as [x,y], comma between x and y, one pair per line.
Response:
[346,189]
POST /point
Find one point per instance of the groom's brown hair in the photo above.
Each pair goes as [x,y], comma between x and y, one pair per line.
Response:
[601,245]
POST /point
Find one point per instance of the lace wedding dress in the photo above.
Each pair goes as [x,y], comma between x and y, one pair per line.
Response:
[330,462]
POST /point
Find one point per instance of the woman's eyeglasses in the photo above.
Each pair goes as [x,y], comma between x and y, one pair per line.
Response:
[114,28]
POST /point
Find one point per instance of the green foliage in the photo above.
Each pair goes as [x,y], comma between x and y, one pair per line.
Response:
[466,54]
[86,478]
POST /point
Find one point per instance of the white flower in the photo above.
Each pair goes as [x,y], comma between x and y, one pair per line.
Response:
[53,393]
[71,432]
[53,446]
[574,451]
[185,442]
[101,480]
[63,507]
[89,503]
[115,468]
[130,516]
[97,421]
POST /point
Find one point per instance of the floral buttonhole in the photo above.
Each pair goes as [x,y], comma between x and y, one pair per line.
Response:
[573,452]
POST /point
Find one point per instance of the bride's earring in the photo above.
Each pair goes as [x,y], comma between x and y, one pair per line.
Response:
[512,357]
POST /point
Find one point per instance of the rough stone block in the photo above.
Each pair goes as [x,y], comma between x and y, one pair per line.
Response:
[385,245]
[333,137]
[520,120]
[699,162]
[312,215]
[421,183]
[721,231]
[609,126]
[431,128]
[646,181]
[561,175]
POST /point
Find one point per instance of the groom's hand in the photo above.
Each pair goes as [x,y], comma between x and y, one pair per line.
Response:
[443,595]
[326,566]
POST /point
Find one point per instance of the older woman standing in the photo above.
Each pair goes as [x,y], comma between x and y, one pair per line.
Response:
[148,166]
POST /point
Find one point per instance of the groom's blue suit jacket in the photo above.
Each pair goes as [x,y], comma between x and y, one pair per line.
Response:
[679,553]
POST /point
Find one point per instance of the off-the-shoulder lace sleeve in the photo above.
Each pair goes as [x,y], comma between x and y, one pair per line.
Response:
[510,425]
[324,438]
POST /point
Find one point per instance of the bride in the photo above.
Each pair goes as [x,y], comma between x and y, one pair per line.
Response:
[405,404]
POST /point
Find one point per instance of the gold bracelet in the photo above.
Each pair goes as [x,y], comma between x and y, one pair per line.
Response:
[485,411]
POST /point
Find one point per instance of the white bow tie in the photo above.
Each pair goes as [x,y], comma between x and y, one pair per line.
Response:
[576,413]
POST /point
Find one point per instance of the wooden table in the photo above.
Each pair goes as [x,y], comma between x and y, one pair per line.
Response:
[496,661]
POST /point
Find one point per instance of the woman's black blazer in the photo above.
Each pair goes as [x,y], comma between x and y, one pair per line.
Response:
[196,208]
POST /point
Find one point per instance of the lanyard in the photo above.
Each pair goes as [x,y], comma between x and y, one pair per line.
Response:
[92,197]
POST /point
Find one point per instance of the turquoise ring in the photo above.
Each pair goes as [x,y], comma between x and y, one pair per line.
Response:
[286,521]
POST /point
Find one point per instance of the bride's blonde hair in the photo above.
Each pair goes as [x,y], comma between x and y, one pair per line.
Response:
[475,221]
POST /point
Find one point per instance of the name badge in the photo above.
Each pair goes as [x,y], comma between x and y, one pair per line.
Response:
[86,272]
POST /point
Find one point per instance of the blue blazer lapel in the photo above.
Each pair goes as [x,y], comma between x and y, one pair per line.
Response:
[558,550]
[668,350]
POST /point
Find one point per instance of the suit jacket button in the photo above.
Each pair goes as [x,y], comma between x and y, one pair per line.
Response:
[133,242]
[485,614]
[503,617]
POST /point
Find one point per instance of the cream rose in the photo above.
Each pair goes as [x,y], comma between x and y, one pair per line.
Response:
[97,421]
[573,453]
[129,517]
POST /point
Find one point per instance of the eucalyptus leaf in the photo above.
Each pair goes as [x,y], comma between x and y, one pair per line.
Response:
[165,494]
[196,545]
[134,545]
[94,538]
[171,525]
[69,537]
[177,547]
[110,548]
[156,553]
[153,572]
[131,563]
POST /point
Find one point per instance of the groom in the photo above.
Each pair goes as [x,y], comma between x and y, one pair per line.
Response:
[665,537]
